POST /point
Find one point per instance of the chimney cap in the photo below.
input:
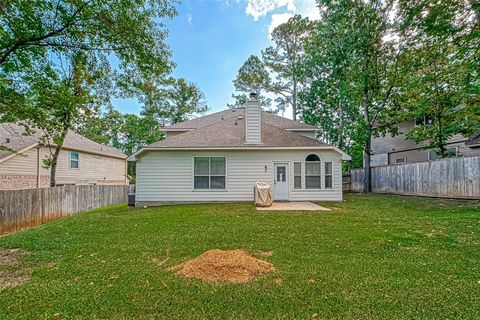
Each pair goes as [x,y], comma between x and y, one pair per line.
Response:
[252,96]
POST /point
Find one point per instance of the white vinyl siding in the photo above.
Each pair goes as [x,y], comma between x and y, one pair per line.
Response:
[253,128]
[167,176]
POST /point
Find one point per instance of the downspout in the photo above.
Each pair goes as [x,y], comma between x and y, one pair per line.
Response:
[38,167]
[126,172]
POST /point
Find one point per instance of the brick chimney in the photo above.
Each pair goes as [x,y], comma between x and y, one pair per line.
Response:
[253,120]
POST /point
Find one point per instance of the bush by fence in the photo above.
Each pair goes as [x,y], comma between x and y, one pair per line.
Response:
[448,178]
[25,208]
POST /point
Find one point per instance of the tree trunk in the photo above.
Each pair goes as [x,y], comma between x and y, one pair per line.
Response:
[56,154]
[340,126]
[294,100]
[367,186]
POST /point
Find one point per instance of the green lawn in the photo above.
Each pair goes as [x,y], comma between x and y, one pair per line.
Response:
[373,257]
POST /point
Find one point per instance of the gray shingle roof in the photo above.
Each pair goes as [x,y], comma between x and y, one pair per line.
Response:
[73,140]
[475,140]
[230,132]
[268,118]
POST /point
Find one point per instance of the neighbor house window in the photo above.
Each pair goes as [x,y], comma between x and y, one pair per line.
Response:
[312,172]
[74,159]
[424,121]
[401,160]
[451,152]
[297,175]
[328,175]
[209,173]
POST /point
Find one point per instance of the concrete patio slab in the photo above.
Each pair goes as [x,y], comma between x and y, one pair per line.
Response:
[293,206]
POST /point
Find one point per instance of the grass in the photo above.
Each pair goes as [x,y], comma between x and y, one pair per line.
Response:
[373,257]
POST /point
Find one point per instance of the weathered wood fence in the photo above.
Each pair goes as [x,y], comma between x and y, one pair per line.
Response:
[25,208]
[346,182]
[447,178]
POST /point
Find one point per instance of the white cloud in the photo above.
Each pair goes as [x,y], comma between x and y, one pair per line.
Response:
[278,19]
[189,18]
[259,8]
[284,9]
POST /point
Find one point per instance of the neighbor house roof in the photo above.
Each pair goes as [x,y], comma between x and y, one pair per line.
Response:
[267,118]
[12,136]
[474,141]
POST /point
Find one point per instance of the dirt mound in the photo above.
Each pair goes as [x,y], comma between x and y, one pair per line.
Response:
[234,266]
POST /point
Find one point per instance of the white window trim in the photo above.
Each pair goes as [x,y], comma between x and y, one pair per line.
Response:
[325,175]
[209,164]
[301,175]
[70,160]
[305,172]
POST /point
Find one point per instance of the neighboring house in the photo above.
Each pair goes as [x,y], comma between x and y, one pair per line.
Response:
[390,150]
[81,161]
[219,157]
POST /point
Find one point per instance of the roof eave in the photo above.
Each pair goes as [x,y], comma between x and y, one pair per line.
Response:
[345,157]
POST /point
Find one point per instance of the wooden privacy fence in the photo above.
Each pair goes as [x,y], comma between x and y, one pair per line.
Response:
[448,178]
[346,182]
[25,208]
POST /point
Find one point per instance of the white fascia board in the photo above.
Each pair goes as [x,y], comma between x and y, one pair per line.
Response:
[345,156]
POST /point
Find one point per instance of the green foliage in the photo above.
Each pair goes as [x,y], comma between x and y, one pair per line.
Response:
[373,257]
[352,70]
[442,63]
[277,72]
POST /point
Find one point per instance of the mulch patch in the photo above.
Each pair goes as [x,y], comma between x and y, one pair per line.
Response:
[234,266]
[10,274]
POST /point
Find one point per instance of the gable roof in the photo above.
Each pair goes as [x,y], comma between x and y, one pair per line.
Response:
[226,130]
[267,117]
[19,142]
[233,135]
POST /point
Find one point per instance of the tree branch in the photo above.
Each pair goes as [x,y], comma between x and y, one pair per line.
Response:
[35,39]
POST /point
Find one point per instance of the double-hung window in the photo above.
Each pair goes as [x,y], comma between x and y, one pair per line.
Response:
[297,175]
[328,175]
[74,159]
[209,173]
[312,172]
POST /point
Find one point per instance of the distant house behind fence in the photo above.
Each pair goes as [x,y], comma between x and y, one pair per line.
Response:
[81,161]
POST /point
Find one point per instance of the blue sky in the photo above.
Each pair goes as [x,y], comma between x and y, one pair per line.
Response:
[210,40]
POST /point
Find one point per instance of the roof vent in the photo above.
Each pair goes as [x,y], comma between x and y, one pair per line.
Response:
[252,96]
[7,140]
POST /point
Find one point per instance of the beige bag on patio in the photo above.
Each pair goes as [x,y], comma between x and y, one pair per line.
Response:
[263,194]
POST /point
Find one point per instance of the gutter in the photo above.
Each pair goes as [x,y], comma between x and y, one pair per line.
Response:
[345,156]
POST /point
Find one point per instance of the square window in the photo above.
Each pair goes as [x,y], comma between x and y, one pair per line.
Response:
[209,172]
[312,182]
[201,182]
[217,182]
[328,182]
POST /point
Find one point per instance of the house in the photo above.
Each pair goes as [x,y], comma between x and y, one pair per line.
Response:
[81,161]
[391,150]
[219,157]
